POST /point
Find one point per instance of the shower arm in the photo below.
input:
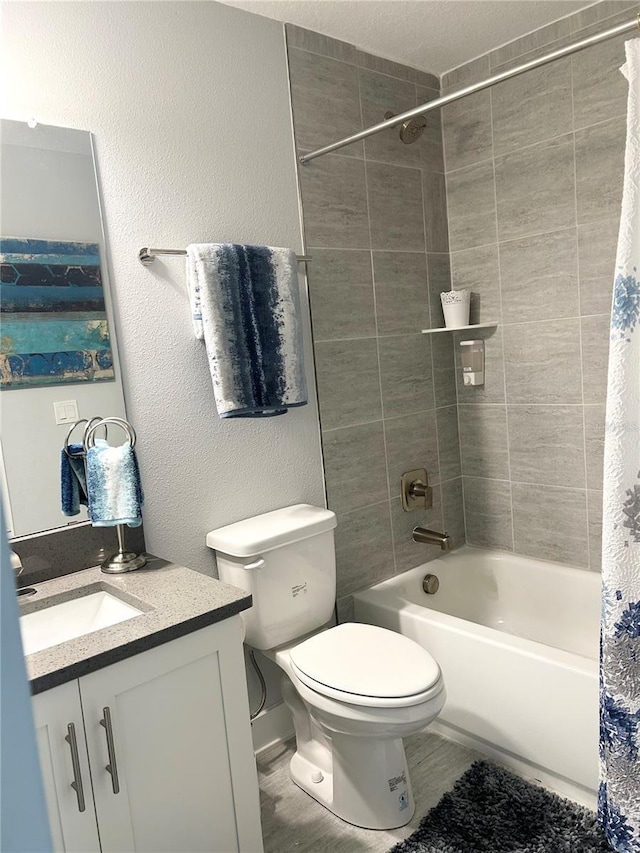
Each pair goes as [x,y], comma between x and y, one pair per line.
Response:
[475,87]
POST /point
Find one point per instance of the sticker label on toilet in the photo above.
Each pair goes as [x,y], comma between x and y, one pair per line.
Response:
[298,589]
[404,801]
[397,782]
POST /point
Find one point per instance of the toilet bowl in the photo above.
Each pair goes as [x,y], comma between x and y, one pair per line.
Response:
[349,750]
[354,690]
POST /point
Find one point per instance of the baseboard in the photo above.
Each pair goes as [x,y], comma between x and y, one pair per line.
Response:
[531,772]
[271,726]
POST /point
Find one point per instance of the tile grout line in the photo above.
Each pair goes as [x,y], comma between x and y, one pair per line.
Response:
[584,420]
[504,360]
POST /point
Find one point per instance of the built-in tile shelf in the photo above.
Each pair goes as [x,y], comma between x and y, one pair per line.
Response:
[461,328]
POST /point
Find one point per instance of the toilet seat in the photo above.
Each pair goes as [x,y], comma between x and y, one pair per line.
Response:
[367,666]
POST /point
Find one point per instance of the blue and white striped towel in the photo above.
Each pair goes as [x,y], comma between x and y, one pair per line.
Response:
[246,307]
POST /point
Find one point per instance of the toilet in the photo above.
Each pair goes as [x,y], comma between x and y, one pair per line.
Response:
[354,690]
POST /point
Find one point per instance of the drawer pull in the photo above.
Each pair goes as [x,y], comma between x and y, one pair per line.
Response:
[112,766]
[75,763]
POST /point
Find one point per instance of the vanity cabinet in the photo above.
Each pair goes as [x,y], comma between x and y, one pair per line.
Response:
[162,751]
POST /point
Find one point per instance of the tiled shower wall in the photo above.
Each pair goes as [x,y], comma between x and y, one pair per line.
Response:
[375,225]
[534,181]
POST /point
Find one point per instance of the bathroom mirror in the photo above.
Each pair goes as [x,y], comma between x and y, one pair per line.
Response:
[58,332]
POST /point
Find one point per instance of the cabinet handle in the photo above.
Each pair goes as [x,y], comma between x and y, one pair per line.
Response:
[111,767]
[75,763]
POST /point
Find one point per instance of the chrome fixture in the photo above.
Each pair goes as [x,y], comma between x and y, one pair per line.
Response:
[415,490]
[147,255]
[432,537]
[410,130]
[417,112]
[430,584]
[111,767]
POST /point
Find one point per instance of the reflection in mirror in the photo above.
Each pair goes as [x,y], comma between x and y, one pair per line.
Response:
[58,358]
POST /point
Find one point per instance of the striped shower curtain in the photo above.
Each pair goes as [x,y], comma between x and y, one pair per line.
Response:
[619,793]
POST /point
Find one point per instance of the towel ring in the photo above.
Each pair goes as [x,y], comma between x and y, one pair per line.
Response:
[89,438]
[65,446]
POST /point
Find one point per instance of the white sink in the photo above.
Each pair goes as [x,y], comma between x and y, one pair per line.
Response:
[61,622]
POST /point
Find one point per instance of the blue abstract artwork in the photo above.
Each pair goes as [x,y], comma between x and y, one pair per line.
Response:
[54,328]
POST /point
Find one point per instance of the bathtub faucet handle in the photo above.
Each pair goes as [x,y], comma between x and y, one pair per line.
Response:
[415,490]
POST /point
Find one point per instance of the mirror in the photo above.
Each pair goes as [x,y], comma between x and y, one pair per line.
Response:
[58,331]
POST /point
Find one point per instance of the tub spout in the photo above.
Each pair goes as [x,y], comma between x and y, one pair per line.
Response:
[432,537]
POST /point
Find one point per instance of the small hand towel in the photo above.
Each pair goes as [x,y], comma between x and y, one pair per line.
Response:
[246,307]
[73,482]
[113,486]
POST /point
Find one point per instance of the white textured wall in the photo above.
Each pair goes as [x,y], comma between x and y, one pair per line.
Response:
[189,106]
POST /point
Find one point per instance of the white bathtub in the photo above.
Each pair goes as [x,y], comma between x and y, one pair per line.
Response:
[517,641]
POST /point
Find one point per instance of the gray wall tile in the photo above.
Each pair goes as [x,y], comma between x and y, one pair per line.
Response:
[430,143]
[594,518]
[334,199]
[478,270]
[318,43]
[405,374]
[540,38]
[448,442]
[444,375]
[348,453]
[435,211]
[467,131]
[341,277]
[599,170]
[345,610]
[411,443]
[539,277]
[380,94]
[402,294]
[487,509]
[597,244]
[599,89]
[439,275]
[484,448]
[395,208]
[364,552]
[594,419]
[463,75]
[395,69]
[409,553]
[325,100]
[551,523]
[535,189]
[493,389]
[342,367]
[532,107]
[546,445]
[453,510]
[594,14]
[472,206]
[595,357]
[542,362]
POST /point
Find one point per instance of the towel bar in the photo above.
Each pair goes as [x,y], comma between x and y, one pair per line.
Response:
[147,255]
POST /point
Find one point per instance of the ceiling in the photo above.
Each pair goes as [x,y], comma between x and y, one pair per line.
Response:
[435,35]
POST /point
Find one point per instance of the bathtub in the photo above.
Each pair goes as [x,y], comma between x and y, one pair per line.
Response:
[517,641]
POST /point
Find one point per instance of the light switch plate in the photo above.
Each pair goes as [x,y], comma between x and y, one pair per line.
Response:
[66,411]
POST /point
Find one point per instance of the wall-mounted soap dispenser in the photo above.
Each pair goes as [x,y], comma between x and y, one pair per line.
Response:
[472,357]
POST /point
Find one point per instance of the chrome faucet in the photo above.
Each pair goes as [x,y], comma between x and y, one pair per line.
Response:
[432,537]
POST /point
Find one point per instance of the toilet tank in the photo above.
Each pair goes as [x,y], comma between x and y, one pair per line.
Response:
[286,560]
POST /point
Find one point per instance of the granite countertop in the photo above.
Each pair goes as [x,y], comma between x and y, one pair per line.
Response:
[174,600]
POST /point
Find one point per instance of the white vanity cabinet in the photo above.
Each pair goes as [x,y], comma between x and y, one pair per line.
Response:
[164,751]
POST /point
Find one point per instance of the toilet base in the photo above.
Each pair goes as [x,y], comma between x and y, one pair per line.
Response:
[368,785]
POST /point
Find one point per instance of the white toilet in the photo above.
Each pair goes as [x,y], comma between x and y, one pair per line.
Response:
[354,690]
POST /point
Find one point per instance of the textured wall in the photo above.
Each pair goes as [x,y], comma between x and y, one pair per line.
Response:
[534,183]
[189,106]
[375,224]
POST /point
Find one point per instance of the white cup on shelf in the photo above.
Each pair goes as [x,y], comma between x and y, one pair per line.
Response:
[455,307]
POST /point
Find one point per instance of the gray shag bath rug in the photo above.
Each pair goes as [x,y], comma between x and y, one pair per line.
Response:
[489,810]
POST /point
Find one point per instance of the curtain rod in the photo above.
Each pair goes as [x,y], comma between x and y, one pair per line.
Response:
[475,87]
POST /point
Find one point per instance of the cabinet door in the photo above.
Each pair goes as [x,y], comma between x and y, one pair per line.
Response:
[158,721]
[64,763]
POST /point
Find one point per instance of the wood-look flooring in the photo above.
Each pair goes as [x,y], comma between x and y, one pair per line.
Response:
[293,822]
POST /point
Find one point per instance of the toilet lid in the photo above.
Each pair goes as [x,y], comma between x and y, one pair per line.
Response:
[366,660]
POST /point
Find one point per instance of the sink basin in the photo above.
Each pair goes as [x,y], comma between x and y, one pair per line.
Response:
[69,619]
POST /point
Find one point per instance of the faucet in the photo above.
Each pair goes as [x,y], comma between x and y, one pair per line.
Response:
[432,537]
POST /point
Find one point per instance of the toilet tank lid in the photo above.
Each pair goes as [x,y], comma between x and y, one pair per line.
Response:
[262,533]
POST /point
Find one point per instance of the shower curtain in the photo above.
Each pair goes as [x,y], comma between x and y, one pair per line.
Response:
[619,792]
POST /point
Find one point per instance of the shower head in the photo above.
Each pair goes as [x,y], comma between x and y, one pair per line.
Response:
[411,129]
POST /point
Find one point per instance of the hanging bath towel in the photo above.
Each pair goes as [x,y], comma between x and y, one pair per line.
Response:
[246,307]
[619,794]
